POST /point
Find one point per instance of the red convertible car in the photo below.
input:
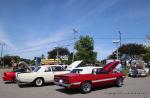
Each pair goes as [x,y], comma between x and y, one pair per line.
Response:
[99,77]
[11,76]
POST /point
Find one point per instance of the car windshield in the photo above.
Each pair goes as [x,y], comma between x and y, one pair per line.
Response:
[32,67]
[37,69]
[77,71]
[137,67]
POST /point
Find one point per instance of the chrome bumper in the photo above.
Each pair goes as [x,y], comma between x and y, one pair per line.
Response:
[62,84]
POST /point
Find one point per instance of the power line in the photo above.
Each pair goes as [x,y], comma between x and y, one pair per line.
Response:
[102,38]
[33,50]
[95,38]
[26,48]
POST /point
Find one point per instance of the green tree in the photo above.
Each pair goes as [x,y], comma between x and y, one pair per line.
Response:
[146,57]
[61,52]
[16,59]
[133,50]
[42,56]
[32,62]
[112,56]
[7,60]
[85,50]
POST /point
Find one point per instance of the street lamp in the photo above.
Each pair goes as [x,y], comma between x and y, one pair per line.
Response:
[117,42]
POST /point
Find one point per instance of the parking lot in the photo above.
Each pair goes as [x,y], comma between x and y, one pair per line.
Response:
[133,88]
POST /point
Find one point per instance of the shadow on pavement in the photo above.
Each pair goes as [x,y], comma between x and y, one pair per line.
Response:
[10,82]
[68,91]
[77,91]
[32,85]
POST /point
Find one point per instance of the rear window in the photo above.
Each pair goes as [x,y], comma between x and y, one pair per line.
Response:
[57,68]
[77,71]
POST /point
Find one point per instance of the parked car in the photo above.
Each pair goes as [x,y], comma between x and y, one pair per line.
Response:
[10,76]
[99,77]
[138,69]
[43,74]
[138,72]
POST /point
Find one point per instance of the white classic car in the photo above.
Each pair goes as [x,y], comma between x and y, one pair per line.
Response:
[138,69]
[43,74]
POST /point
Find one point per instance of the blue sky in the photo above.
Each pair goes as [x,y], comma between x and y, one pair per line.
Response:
[30,28]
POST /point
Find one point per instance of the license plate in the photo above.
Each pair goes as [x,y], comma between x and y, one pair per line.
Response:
[60,81]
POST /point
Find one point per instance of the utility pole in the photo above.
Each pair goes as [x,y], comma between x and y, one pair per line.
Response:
[117,42]
[2,47]
[57,55]
[74,40]
[120,38]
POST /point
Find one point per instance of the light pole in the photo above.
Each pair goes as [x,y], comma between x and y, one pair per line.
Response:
[2,48]
[117,43]
[120,38]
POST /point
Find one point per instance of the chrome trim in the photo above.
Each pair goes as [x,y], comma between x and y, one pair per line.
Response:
[102,80]
[76,83]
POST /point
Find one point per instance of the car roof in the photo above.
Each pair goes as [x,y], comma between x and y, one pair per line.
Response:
[50,65]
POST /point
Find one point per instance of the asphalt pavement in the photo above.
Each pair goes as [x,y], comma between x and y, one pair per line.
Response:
[132,88]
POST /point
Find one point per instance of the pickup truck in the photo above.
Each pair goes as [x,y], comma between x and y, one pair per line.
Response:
[99,77]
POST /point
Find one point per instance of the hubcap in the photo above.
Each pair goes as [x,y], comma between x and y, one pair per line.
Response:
[86,87]
[120,82]
[39,82]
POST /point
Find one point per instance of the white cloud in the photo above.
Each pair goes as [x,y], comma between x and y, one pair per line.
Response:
[4,39]
[43,45]
[99,9]
[55,36]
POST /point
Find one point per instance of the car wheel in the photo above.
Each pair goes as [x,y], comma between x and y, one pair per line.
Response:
[20,85]
[129,75]
[119,82]
[39,82]
[85,87]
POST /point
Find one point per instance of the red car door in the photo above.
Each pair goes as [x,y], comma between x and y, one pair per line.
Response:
[105,75]
[101,79]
